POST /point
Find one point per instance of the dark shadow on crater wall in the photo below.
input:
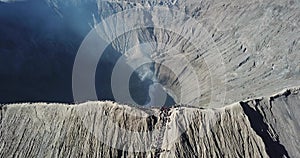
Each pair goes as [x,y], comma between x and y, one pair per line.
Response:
[38,49]
[273,147]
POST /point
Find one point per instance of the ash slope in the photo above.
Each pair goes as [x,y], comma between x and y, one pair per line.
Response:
[264,127]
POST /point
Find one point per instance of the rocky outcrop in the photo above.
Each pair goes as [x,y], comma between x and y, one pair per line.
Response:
[265,127]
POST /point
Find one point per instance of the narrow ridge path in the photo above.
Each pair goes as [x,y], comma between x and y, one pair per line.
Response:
[164,116]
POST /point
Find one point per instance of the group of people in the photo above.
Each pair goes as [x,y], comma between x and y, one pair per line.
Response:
[165,114]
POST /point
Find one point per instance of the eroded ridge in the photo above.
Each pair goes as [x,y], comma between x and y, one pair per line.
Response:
[259,127]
